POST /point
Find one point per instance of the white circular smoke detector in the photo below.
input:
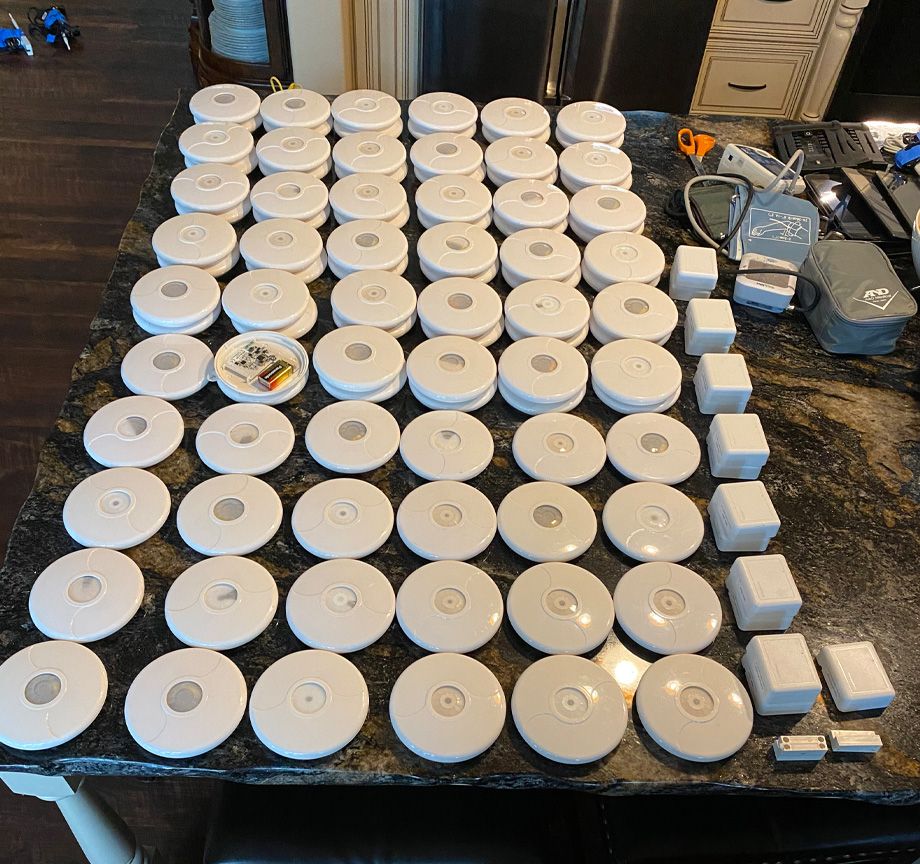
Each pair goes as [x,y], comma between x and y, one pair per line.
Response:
[303,108]
[374,298]
[543,307]
[291,195]
[308,704]
[219,143]
[175,296]
[449,606]
[135,432]
[369,196]
[569,709]
[185,703]
[266,299]
[694,708]
[446,445]
[544,521]
[450,371]
[342,518]
[198,240]
[442,112]
[358,359]
[51,692]
[233,514]
[544,371]
[446,520]
[590,121]
[367,244]
[352,437]
[359,110]
[341,605]
[447,707]
[217,188]
[594,164]
[230,103]
[522,204]
[653,447]
[221,603]
[86,595]
[117,508]
[188,330]
[559,448]
[296,149]
[632,375]
[540,253]
[515,158]
[633,310]
[560,608]
[453,199]
[457,249]
[239,361]
[600,209]
[622,256]
[514,116]
[370,153]
[284,244]
[653,522]
[459,306]
[667,608]
[446,153]
[245,439]
[170,367]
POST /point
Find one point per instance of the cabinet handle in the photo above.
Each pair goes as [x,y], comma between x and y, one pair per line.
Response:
[747,87]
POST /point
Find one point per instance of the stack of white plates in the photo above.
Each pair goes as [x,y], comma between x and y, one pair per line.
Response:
[238,30]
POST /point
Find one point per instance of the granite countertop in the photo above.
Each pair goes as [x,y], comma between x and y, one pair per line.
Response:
[842,474]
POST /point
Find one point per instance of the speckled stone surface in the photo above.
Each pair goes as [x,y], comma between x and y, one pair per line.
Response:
[843,470]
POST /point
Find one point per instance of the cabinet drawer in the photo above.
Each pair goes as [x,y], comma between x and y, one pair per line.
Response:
[749,82]
[767,18]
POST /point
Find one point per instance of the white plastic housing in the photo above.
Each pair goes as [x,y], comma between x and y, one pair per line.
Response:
[737,446]
[722,384]
[694,272]
[800,748]
[769,291]
[763,593]
[855,676]
[743,517]
[709,327]
[781,675]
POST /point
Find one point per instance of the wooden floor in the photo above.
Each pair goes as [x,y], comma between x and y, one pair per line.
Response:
[77,133]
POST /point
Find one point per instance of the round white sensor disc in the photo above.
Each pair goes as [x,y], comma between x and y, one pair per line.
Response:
[635,372]
[134,432]
[449,606]
[653,522]
[446,445]
[560,608]
[453,198]
[569,709]
[117,508]
[634,310]
[447,707]
[221,603]
[514,115]
[308,704]
[591,121]
[358,358]
[446,519]
[266,299]
[542,369]
[175,296]
[653,447]
[352,437]
[171,366]
[245,439]
[667,608]
[546,522]
[621,256]
[341,605]
[559,447]
[185,703]
[50,692]
[232,514]
[694,708]
[460,306]
[451,369]
[342,518]
[86,595]
[543,307]
[377,298]
[594,163]
[443,112]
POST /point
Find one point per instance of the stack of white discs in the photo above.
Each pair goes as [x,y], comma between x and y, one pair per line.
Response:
[622,256]
[284,244]
[302,108]
[521,204]
[227,103]
[458,249]
[366,111]
[367,244]
[294,149]
[375,298]
[216,188]
[359,362]
[370,153]
[291,195]
[176,299]
[442,112]
[239,361]
[543,307]
[633,310]
[515,116]
[590,121]
[461,307]
[352,437]
[226,143]
[453,199]
[452,372]
[540,374]
[200,240]
[369,196]
[446,153]
[516,158]
[268,299]
[540,253]
[633,376]
[587,164]
[170,366]
[602,209]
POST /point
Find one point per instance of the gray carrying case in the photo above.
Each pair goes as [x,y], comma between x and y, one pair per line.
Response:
[862,306]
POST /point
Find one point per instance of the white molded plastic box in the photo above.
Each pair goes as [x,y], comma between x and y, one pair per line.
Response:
[694,272]
[781,675]
[743,517]
[737,446]
[722,384]
[709,327]
[855,676]
[763,592]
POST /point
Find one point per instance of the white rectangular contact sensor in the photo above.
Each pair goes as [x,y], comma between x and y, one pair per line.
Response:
[763,593]
[709,327]
[722,384]
[743,517]
[800,748]
[737,446]
[854,741]
[781,675]
[855,676]
[694,272]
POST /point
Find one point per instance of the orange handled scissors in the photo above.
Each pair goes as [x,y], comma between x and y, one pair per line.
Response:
[695,146]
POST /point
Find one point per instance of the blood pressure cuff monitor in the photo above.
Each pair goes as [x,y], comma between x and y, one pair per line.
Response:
[861,306]
[776,225]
